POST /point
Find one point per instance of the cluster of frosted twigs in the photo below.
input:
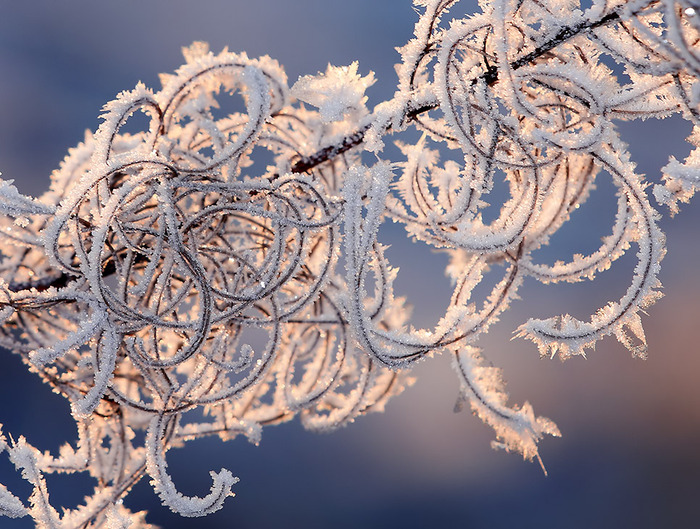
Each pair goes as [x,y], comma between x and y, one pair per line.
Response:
[221,270]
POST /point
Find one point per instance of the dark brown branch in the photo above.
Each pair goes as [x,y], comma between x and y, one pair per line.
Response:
[564,34]
[490,76]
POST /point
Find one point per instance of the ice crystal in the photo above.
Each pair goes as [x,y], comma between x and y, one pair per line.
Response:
[134,285]
[337,92]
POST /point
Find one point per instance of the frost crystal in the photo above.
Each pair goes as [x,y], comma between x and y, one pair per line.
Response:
[140,284]
[337,93]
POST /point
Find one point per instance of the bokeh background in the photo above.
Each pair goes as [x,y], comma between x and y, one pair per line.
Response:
[629,456]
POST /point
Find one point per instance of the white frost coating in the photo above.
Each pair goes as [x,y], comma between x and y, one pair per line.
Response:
[119,517]
[14,204]
[10,505]
[75,339]
[517,429]
[137,282]
[116,114]
[337,92]
[104,370]
[681,180]
[158,470]
[24,457]
[569,336]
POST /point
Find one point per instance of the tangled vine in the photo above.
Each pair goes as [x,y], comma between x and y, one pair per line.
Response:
[228,262]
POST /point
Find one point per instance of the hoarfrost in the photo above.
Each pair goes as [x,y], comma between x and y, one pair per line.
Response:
[337,93]
[133,285]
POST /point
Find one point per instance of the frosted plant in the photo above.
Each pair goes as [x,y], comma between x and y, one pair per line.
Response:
[221,271]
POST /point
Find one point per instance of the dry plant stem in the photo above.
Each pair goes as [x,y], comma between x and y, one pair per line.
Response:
[170,271]
[490,76]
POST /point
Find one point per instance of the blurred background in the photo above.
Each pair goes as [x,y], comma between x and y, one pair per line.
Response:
[629,455]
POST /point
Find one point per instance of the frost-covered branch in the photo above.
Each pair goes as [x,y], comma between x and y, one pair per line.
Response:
[177,270]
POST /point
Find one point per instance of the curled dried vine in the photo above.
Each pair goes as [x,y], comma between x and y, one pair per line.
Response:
[195,265]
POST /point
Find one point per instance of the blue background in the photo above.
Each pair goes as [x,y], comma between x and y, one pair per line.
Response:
[631,428]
